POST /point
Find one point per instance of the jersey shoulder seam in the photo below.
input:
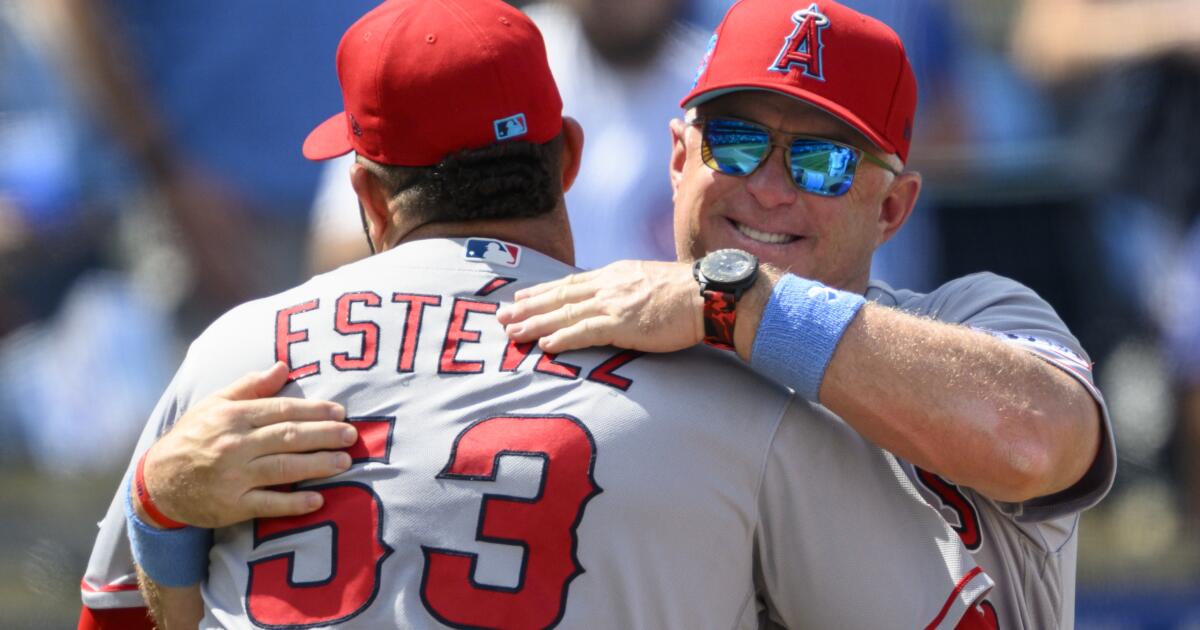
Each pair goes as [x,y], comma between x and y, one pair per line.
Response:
[766,456]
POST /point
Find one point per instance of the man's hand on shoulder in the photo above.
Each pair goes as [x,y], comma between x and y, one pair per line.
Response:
[218,464]
[642,305]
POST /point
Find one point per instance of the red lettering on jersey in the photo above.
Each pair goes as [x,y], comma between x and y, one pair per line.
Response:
[953,498]
[547,365]
[412,325]
[604,372]
[544,527]
[497,283]
[457,334]
[374,442]
[514,355]
[285,337]
[354,514]
[369,331]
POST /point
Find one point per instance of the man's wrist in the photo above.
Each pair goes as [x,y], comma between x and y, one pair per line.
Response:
[750,309]
[144,505]
[698,304]
[798,331]
[171,557]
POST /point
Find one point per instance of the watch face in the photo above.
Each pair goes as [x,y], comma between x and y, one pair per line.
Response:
[727,265]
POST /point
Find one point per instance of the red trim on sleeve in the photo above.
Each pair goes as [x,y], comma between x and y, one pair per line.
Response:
[966,579]
[115,619]
[981,617]
[110,588]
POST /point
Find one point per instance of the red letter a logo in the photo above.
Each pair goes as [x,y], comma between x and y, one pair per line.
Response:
[803,47]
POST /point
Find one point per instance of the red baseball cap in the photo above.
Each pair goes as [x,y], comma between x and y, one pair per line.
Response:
[422,79]
[823,53]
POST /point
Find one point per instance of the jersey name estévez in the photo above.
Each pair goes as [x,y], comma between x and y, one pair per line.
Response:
[364,318]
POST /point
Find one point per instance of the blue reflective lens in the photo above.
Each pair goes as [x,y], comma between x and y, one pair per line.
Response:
[734,147]
[823,168]
[820,167]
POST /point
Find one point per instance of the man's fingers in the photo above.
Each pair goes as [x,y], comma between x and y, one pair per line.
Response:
[556,298]
[538,289]
[540,325]
[257,384]
[270,503]
[300,437]
[260,413]
[589,332]
[286,468]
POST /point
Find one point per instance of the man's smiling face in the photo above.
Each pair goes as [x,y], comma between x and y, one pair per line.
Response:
[830,239]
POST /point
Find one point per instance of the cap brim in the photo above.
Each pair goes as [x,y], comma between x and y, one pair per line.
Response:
[698,98]
[330,139]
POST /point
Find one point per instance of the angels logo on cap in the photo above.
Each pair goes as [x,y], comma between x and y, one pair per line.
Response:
[780,46]
[803,46]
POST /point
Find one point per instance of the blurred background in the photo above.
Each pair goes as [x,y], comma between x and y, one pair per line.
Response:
[150,178]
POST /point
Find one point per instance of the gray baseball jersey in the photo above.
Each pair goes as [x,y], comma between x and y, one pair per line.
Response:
[494,486]
[1029,548]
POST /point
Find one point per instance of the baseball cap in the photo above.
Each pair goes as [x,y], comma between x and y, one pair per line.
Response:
[422,79]
[823,53]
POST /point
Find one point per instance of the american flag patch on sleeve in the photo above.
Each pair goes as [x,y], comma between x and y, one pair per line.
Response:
[1052,351]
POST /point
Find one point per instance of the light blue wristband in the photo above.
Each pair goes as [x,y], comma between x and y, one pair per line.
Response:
[800,328]
[174,558]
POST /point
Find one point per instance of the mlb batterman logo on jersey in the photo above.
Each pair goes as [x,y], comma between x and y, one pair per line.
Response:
[493,251]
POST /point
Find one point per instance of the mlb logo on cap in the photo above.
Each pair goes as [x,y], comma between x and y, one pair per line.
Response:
[494,251]
[473,72]
[511,127]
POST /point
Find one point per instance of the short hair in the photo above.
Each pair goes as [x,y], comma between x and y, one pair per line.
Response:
[507,180]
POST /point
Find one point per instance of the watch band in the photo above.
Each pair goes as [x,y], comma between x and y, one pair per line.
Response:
[720,316]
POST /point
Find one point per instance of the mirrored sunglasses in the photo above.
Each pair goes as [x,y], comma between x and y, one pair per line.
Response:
[817,165]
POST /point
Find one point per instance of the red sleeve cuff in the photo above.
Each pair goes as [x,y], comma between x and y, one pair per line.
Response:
[115,619]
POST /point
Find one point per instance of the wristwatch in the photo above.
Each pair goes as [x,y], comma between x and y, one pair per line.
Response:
[723,276]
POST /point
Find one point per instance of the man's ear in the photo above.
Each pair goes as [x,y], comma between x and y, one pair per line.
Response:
[373,197]
[678,154]
[898,204]
[572,152]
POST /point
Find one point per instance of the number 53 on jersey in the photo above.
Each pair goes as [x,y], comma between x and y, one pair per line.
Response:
[544,527]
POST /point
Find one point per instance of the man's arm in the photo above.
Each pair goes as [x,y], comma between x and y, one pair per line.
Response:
[172,608]
[951,400]
[962,404]
[211,470]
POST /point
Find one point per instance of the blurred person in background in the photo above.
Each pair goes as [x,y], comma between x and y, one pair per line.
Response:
[617,64]
[83,344]
[192,90]
[1181,327]
[1126,77]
